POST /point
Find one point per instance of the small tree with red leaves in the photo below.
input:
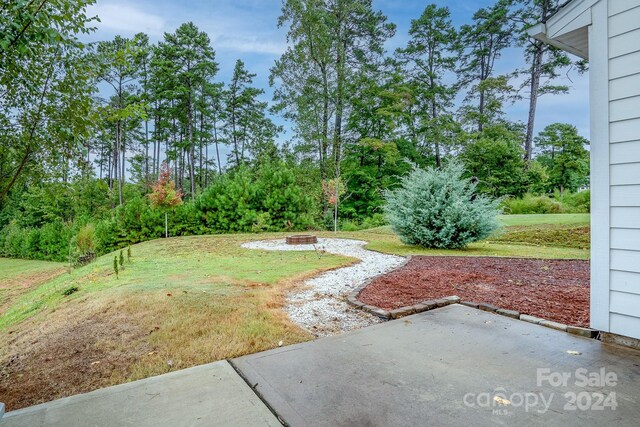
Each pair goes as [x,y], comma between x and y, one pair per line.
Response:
[333,189]
[164,194]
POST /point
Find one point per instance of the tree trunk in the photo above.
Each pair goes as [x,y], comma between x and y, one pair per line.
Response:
[192,175]
[215,137]
[325,124]
[434,116]
[536,70]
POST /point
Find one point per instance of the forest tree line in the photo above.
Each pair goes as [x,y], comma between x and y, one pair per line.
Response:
[86,128]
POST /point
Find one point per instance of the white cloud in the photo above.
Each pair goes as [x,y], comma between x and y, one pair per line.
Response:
[249,44]
[125,19]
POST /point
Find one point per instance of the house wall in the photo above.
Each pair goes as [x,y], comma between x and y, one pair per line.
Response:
[623,87]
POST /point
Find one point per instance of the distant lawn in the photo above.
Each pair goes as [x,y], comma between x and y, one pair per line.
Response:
[18,276]
[13,269]
[551,219]
[528,236]
[180,302]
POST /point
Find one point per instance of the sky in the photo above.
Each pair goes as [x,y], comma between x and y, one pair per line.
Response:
[248,30]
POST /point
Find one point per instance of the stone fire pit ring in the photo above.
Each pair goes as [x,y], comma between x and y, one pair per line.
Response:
[301,239]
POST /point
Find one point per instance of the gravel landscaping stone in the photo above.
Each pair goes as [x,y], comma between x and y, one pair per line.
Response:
[321,307]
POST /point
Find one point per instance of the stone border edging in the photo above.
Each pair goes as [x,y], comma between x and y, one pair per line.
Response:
[352,299]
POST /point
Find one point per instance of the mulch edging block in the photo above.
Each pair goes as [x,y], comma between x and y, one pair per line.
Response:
[554,325]
[531,319]
[470,304]
[583,332]
[488,307]
[352,299]
[509,313]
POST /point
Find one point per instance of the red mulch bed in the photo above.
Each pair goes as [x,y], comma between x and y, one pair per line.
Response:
[556,290]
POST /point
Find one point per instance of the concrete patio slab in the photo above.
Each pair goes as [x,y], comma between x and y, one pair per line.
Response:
[212,394]
[451,366]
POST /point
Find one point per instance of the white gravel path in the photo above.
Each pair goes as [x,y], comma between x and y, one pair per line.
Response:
[321,307]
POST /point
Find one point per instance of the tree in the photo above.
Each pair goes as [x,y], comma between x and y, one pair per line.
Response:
[494,159]
[248,129]
[184,65]
[544,61]
[117,66]
[164,194]
[331,40]
[143,58]
[333,190]
[564,154]
[429,56]
[371,153]
[438,208]
[45,88]
[485,40]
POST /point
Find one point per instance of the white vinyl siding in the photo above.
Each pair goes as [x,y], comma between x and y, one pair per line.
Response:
[627,152]
[617,7]
[610,31]
[625,195]
[627,22]
[624,170]
[625,238]
[624,87]
[625,325]
[624,281]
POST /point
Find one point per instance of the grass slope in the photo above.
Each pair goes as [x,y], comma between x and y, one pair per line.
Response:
[179,302]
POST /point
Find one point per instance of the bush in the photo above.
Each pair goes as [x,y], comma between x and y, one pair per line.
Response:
[437,208]
[85,239]
[530,204]
[377,220]
[566,203]
[266,199]
[579,202]
[49,242]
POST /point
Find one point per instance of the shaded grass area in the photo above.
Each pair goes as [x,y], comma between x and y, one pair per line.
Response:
[178,303]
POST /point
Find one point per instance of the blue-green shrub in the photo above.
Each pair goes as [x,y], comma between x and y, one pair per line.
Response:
[438,208]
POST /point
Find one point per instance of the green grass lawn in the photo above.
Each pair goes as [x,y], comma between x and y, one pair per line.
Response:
[546,219]
[18,276]
[14,269]
[529,236]
[190,300]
